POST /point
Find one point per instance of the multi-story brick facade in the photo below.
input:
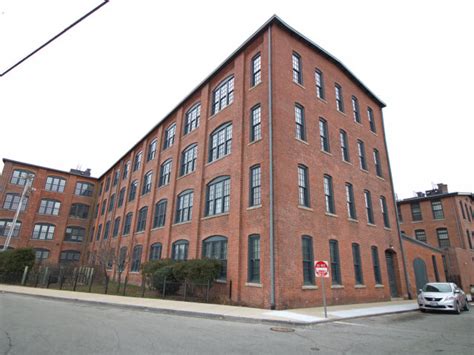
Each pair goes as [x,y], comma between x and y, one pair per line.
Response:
[57,214]
[446,221]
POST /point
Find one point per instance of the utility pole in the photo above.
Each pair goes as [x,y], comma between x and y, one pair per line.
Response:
[26,190]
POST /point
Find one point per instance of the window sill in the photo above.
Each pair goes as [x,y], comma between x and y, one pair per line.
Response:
[336,287]
[159,187]
[254,142]
[321,99]
[364,170]
[253,284]
[374,133]
[358,122]
[220,281]
[256,85]
[157,228]
[225,108]
[360,286]
[185,175]
[73,241]
[380,177]
[298,84]
[301,141]
[331,215]
[254,207]
[40,240]
[181,223]
[347,162]
[309,287]
[379,286]
[341,112]
[326,152]
[216,160]
[215,216]
[420,221]
[305,208]
[387,228]
[139,233]
[353,220]
[371,225]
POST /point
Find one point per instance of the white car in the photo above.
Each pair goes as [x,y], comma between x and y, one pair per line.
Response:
[442,296]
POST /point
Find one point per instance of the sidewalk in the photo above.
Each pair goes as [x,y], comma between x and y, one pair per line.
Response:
[301,316]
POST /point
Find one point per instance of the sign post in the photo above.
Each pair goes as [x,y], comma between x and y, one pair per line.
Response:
[321,269]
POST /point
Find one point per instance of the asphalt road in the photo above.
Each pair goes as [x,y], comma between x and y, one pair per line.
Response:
[30,325]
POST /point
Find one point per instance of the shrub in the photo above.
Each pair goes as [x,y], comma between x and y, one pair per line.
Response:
[14,261]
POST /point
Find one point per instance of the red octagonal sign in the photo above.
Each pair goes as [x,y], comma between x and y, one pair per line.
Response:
[321,268]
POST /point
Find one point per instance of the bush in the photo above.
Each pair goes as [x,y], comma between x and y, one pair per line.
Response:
[14,261]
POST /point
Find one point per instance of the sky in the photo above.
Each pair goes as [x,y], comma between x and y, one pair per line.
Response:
[125,67]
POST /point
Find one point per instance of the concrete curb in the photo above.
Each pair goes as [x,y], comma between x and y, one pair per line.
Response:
[205,315]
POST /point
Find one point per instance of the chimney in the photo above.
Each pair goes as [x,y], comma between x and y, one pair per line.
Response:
[443,188]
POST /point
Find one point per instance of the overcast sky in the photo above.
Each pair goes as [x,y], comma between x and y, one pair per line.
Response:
[88,97]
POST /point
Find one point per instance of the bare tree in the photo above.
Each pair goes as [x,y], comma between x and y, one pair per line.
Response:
[105,258]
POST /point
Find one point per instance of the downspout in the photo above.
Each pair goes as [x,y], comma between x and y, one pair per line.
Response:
[270,153]
[405,271]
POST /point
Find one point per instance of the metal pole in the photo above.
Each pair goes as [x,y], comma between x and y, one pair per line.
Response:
[29,180]
[25,274]
[324,298]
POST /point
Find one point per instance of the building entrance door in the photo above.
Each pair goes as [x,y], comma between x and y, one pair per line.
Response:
[389,257]
[421,278]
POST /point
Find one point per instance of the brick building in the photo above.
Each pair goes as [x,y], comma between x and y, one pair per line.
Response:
[57,213]
[445,221]
[276,159]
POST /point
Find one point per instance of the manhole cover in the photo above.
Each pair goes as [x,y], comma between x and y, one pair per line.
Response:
[282,329]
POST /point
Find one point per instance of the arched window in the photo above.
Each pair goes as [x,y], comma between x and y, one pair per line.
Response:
[55,183]
[74,234]
[160,214]
[50,207]
[184,206]
[155,251]
[79,210]
[218,196]
[6,224]
[141,219]
[220,142]
[223,95]
[191,120]
[43,231]
[215,247]
[188,159]
[68,256]
[41,254]
[180,250]
[136,258]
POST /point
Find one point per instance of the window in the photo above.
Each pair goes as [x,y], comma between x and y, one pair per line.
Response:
[116,177]
[350,202]
[335,262]
[443,238]
[184,206]
[13,200]
[74,234]
[69,256]
[155,251]
[468,214]
[152,150]
[223,95]
[188,159]
[170,132]
[5,226]
[41,254]
[378,166]
[104,204]
[303,189]
[136,258]
[116,229]
[101,186]
[297,74]
[191,120]
[122,259]
[111,202]
[256,124]
[256,70]
[420,235]
[99,231]
[43,231]
[127,223]
[107,183]
[469,238]
[218,196]
[370,115]
[54,183]
[437,209]
[132,192]
[361,151]
[308,260]
[19,177]
[383,208]
[299,120]
[344,145]
[146,187]
[91,234]
[137,162]
[126,169]
[416,211]
[399,212]
[49,207]
[255,186]
[359,279]
[368,207]
[220,142]
[355,109]
[318,74]
[96,211]
[462,210]
[165,173]
[324,135]
[254,259]
[216,248]
[435,268]
[160,214]
[141,219]
[84,189]
[339,98]
[329,195]
[180,250]
[107,230]
[121,197]
[376,263]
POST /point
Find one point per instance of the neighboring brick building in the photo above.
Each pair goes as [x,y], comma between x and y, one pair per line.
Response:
[57,214]
[445,221]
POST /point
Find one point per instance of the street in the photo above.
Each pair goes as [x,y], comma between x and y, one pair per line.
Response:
[30,325]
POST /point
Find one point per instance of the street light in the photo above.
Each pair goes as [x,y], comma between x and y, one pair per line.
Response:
[26,190]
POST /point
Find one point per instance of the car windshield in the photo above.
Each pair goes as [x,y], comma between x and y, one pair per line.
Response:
[437,288]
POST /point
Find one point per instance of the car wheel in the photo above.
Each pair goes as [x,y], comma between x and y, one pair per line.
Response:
[423,310]
[466,306]
[457,308]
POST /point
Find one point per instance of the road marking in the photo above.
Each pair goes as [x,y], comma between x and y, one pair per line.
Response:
[347,323]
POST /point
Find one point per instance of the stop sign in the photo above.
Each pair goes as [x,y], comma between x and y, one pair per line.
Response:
[321,268]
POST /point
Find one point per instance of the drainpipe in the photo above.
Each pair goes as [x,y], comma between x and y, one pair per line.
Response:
[405,271]
[270,150]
